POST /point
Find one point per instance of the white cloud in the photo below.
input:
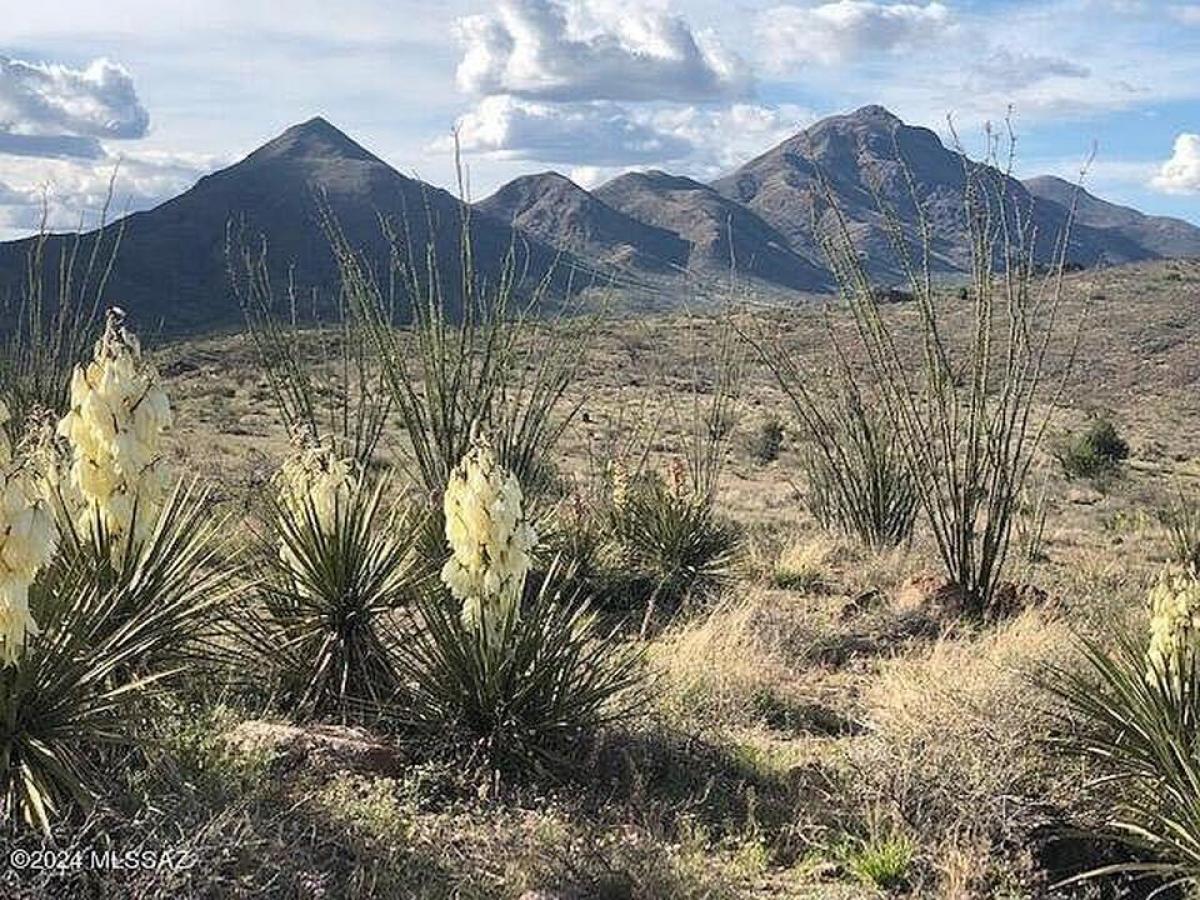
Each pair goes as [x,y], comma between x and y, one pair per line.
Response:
[599,133]
[603,137]
[847,31]
[545,50]
[1188,14]
[1181,173]
[49,100]
[71,193]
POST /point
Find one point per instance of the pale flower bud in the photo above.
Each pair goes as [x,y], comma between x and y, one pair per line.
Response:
[313,481]
[119,414]
[490,539]
[28,539]
[1174,620]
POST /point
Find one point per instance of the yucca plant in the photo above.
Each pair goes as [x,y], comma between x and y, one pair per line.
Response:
[180,576]
[524,693]
[320,623]
[1137,725]
[1182,522]
[49,326]
[69,698]
[673,545]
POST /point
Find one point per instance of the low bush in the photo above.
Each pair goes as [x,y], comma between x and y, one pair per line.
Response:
[1095,453]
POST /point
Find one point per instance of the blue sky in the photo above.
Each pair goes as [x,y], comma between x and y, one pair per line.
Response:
[589,87]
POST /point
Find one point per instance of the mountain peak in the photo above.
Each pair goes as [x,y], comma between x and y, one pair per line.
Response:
[873,112]
[315,138]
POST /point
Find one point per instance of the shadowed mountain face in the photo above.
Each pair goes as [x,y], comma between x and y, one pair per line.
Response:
[1156,235]
[871,156]
[559,212]
[171,270]
[722,236]
[758,221]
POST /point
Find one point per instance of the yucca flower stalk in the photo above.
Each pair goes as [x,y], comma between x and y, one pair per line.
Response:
[1174,620]
[28,538]
[490,540]
[118,416]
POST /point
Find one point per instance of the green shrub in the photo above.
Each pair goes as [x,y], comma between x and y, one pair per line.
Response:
[858,482]
[524,694]
[881,858]
[1095,453]
[767,441]
[321,626]
[673,545]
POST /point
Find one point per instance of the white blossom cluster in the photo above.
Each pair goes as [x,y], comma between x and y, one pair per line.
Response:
[315,478]
[1174,620]
[489,537]
[27,541]
[119,414]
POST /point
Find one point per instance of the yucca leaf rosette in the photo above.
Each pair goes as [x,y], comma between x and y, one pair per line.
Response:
[1174,620]
[119,414]
[489,536]
[28,538]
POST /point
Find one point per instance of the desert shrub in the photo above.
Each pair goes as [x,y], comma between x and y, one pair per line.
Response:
[883,857]
[965,419]
[1135,711]
[767,441]
[673,545]
[1095,453]
[526,690]
[858,483]
[953,755]
[337,563]
[1182,522]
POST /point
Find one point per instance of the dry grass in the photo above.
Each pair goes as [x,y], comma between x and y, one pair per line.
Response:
[819,692]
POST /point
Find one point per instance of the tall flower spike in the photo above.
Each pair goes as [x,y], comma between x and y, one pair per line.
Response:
[489,537]
[314,477]
[119,414]
[27,542]
[1174,621]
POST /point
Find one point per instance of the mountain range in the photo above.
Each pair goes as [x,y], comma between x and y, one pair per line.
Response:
[648,232]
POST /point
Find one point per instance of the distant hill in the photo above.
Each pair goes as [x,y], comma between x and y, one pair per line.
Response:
[1156,235]
[722,236]
[171,271]
[554,209]
[642,230]
[863,158]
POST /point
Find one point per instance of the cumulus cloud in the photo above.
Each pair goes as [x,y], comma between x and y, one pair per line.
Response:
[847,30]
[545,50]
[602,136]
[599,133]
[1181,173]
[74,192]
[98,101]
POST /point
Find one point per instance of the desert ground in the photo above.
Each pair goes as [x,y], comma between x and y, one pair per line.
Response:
[821,727]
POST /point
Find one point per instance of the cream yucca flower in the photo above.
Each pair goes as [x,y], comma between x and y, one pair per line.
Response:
[27,541]
[489,537]
[118,416]
[618,477]
[314,477]
[1174,619]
